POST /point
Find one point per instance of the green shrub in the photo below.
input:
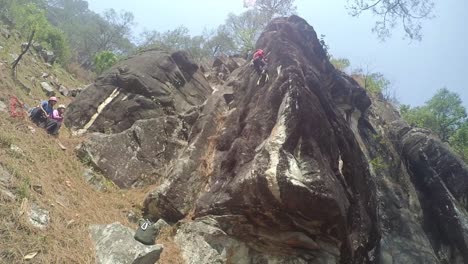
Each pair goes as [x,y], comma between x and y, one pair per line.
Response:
[55,39]
[104,60]
[340,63]
[29,18]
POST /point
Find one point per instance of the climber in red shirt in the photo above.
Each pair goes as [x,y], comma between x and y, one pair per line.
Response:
[259,61]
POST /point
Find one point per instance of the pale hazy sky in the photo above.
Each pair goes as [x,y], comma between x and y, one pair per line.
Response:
[416,69]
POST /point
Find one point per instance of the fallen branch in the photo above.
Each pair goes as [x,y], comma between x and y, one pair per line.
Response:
[15,63]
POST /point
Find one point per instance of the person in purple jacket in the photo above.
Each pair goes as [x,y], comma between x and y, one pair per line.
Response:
[55,120]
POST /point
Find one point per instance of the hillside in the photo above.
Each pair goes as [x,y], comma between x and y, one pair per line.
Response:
[36,172]
[305,166]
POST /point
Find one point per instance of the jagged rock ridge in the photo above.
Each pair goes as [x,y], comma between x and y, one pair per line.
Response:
[307,168]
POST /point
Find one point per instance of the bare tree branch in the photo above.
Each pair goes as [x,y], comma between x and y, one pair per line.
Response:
[408,13]
[15,63]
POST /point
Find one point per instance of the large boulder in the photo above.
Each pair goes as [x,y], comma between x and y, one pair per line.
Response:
[148,85]
[141,112]
[115,244]
[309,165]
[272,157]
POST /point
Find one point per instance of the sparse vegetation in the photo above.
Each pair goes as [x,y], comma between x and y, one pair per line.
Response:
[71,202]
[340,63]
[45,175]
[5,141]
[23,188]
[378,164]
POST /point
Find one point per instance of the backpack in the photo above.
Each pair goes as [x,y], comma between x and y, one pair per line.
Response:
[146,232]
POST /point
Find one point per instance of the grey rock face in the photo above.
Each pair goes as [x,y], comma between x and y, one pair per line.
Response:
[146,118]
[115,245]
[95,180]
[139,155]
[303,166]
[148,85]
[306,168]
[442,181]
[48,90]
[223,66]
[38,217]
[403,236]
[63,90]
[48,56]
[203,241]
[273,157]
[75,92]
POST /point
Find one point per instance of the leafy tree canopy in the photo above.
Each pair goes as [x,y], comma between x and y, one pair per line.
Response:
[445,115]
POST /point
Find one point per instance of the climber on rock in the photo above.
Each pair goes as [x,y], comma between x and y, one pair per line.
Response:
[259,61]
[40,114]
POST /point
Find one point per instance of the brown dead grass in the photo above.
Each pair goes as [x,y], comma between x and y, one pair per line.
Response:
[73,204]
[171,253]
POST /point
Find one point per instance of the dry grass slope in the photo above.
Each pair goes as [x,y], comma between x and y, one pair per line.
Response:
[72,204]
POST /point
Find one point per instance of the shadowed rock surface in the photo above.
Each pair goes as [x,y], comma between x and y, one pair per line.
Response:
[151,84]
[142,110]
[306,168]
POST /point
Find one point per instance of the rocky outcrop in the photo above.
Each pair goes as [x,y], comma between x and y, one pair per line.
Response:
[223,66]
[305,168]
[271,169]
[148,85]
[442,181]
[142,110]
